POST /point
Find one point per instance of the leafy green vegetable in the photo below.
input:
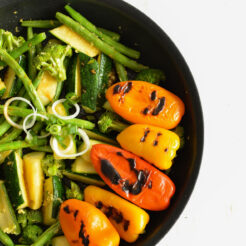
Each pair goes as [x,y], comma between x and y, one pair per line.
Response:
[154,76]
[51,59]
[52,167]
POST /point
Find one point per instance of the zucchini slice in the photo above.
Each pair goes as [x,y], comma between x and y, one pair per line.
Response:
[15,183]
[34,178]
[12,82]
[2,88]
[84,178]
[105,75]
[53,197]
[73,82]
[83,163]
[70,37]
[47,88]
[89,82]
[8,221]
[60,241]
[94,134]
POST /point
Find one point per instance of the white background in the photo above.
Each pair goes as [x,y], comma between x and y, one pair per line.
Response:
[211,35]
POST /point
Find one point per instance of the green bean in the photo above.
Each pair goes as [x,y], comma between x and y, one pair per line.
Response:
[5,239]
[25,79]
[23,112]
[12,135]
[115,36]
[89,26]
[26,46]
[42,148]
[21,144]
[31,54]
[48,234]
[97,42]
[121,71]
[41,23]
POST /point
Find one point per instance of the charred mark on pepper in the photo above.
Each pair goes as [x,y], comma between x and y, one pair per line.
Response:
[66,209]
[150,184]
[75,214]
[159,134]
[155,143]
[113,213]
[153,96]
[146,111]
[159,106]
[75,241]
[126,225]
[146,132]
[119,153]
[117,89]
[85,239]
[127,88]
[99,205]
[109,171]
[166,149]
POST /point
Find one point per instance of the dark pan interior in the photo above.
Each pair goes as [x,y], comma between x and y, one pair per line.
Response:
[157,51]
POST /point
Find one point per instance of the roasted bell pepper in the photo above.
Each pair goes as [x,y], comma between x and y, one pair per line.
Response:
[144,140]
[145,103]
[132,178]
[83,224]
[128,219]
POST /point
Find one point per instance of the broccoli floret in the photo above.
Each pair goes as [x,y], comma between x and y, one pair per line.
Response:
[52,167]
[30,234]
[73,192]
[29,217]
[154,76]
[8,41]
[109,122]
[52,58]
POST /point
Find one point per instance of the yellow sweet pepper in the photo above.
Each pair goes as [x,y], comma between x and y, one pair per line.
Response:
[128,219]
[156,145]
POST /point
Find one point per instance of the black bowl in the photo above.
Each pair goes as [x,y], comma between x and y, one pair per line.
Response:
[158,51]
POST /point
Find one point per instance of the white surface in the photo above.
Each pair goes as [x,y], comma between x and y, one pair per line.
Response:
[211,35]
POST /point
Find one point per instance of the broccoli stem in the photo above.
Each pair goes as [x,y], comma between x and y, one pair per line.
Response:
[118,126]
[21,144]
[41,23]
[5,239]
[107,39]
[115,36]
[22,112]
[25,47]
[48,234]
[4,127]
[98,43]
[31,54]
[121,71]
[25,79]
[107,106]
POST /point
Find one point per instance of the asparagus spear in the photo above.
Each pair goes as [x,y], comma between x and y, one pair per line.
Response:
[5,239]
[88,25]
[98,43]
[121,71]
[23,112]
[48,234]
[115,36]
[41,23]
[31,54]
[25,79]
[26,46]
[21,144]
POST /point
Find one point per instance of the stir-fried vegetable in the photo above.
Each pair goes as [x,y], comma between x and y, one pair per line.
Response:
[56,107]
